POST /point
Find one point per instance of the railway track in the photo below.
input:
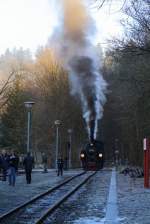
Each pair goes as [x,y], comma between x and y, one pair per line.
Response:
[38,208]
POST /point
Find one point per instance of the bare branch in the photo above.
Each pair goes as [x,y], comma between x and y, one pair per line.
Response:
[7,82]
[101,3]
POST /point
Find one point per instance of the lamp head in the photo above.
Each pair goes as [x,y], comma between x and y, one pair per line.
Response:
[29,104]
[57,122]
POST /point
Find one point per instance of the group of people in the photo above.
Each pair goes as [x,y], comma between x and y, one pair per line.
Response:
[9,165]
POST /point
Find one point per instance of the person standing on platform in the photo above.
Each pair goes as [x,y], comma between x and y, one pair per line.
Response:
[4,164]
[60,164]
[0,162]
[13,167]
[28,165]
[44,161]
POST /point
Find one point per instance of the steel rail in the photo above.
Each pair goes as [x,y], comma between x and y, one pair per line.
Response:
[62,199]
[15,210]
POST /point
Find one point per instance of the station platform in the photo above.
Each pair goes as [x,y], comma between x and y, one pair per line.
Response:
[11,197]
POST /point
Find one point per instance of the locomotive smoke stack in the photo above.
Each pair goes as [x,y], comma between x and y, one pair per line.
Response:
[73,43]
[92,127]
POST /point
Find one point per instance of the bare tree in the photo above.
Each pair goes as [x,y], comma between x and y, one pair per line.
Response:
[137,28]
[101,3]
[4,87]
[12,63]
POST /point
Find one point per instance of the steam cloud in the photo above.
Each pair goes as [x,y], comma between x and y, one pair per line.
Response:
[81,60]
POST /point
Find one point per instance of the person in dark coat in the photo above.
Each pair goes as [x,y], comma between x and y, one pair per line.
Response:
[13,168]
[60,164]
[4,164]
[28,165]
[0,163]
[44,161]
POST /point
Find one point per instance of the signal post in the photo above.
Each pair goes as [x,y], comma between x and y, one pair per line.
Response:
[146,147]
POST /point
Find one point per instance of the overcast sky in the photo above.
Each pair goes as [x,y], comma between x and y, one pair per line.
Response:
[29,23]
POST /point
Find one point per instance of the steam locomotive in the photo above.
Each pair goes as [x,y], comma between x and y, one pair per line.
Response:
[92,155]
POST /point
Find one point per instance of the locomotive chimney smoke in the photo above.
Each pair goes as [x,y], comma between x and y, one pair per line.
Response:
[73,44]
[92,127]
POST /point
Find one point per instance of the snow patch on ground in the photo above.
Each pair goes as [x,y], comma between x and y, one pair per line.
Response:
[94,220]
[89,220]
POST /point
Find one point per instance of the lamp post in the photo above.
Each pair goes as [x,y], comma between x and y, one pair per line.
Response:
[117,151]
[70,146]
[57,123]
[28,105]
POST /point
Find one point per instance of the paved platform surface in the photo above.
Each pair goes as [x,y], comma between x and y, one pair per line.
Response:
[11,197]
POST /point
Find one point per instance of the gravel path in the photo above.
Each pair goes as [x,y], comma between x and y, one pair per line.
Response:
[133,200]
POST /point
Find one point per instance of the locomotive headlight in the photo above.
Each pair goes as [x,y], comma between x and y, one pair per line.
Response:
[100,155]
[82,155]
